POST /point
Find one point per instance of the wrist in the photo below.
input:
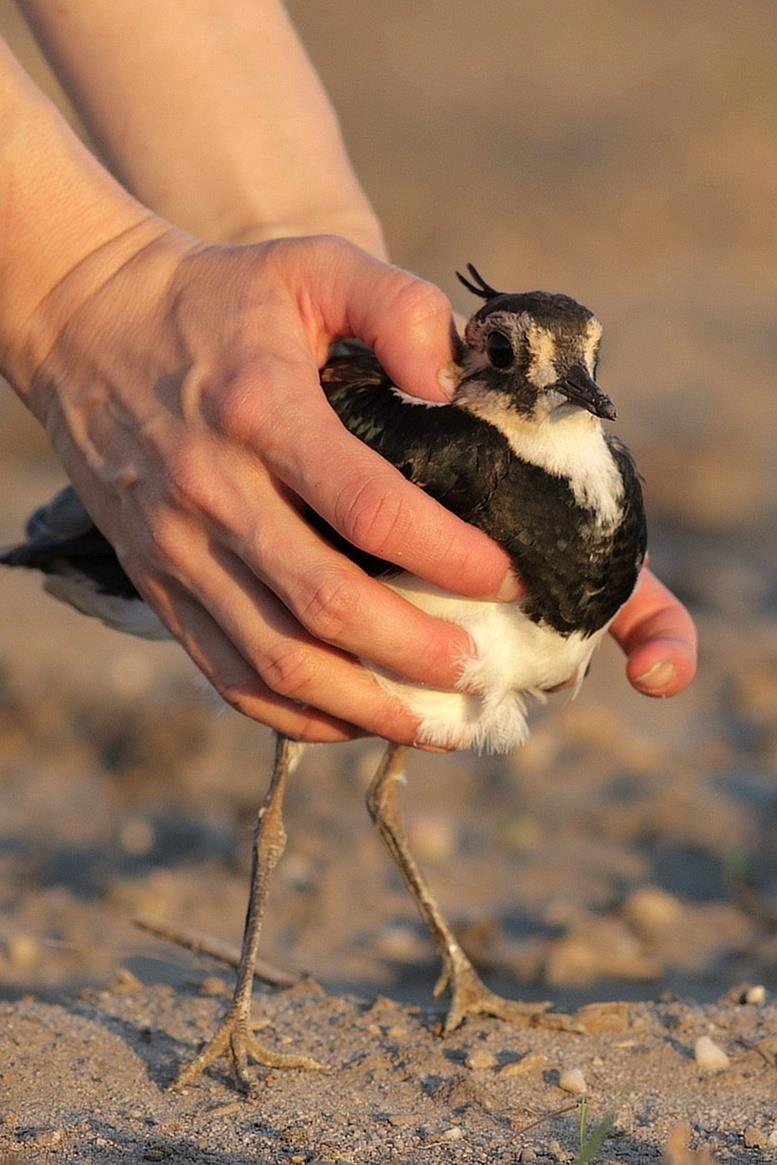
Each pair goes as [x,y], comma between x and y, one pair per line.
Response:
[66,223]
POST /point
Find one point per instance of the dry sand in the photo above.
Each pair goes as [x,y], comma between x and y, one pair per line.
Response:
[624,153]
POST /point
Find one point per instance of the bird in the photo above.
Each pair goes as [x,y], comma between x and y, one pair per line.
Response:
[521,451]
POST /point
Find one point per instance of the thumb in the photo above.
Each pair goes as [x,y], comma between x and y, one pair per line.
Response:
[407,320]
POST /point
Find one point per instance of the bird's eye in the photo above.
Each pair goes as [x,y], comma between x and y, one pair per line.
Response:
[499,350]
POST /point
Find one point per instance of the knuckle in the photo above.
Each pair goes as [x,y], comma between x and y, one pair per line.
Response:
[166,537]
[289,669]
[234,409]
[331,606]
[417,301]
[371,516]
[239,697]
[187,477]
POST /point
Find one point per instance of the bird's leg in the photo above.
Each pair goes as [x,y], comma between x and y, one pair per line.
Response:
[469,995]
[234,1033]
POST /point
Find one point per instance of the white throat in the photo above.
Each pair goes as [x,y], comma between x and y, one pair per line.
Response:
[567,442]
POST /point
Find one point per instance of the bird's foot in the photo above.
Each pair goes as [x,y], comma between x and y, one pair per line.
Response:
[470,996]
[234,1036]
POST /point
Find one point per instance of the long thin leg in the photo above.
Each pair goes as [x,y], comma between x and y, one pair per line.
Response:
[234,1032]
[469,995]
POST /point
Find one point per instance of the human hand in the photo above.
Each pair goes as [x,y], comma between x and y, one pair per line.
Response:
[183,397]
[659,639]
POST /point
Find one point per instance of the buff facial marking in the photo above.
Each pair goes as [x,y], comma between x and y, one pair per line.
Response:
[591,341]
[542,352]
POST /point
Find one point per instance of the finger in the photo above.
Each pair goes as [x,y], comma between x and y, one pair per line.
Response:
[659,637]
[288,661]
[407,320]
[335,601]
[234,680]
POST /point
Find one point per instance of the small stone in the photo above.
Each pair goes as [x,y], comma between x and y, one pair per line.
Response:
[527,1154]
[47,1138]
[400,1120]
[23,951]
[606,1017]
[755,996]
[396,1032]
[452,1134]
[480,1060]
[573,1080]
[530,1062]
[771,1140]
[650,910]
[125,982]
[709,1056]
[754,1138]
[213,985]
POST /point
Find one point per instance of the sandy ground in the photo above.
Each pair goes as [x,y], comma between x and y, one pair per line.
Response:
[623,153]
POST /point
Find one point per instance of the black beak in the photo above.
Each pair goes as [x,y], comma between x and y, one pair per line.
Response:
[578,386]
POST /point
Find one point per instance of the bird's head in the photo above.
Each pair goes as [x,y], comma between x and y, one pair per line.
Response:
[536,353]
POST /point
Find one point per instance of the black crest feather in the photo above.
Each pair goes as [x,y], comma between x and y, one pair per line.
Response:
[479,287]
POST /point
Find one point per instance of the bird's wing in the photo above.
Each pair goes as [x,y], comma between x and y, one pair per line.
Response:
[62,539]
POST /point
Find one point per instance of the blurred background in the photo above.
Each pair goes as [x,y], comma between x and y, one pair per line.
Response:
[624,153]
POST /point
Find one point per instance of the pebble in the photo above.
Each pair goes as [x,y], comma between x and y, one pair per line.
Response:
[47,1138]
[23,950]
[532,1060]
[710,1056]
[480,1059]
[454,1133]
[573,1080]
[755,996]
[527,1154]
[125,982]
[754,1138]
[607,1017]
[213,985]
[650,910]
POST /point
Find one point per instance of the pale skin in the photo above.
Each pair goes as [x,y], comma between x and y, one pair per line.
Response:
[178,380]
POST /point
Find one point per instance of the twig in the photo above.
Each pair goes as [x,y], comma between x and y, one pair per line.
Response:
[202,944]
[549,1116]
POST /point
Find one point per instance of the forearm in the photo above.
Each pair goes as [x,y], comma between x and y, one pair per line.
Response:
[211,114]
[61,215]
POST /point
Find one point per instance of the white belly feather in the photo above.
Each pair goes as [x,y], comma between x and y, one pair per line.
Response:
[515,659]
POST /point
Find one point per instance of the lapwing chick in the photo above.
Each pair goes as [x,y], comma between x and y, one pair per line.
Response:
[521,452]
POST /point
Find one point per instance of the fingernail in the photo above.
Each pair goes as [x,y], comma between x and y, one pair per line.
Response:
[448,378]
[657,678]
[510,590]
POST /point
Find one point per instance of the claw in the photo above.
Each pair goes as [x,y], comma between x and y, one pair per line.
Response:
[470,996]
[232,1034]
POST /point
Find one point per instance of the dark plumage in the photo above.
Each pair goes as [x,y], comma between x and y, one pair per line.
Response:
[577,577]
